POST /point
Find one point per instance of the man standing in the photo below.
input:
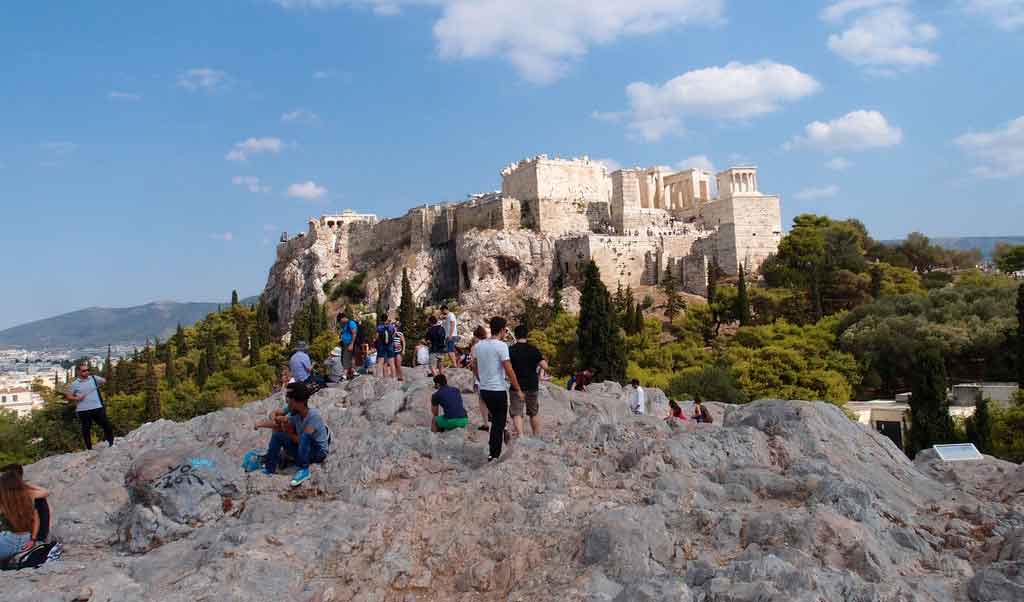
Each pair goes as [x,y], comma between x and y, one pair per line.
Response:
[451,333]
[438,341]
[492,366]
[527,362]
[300,364]
[86,391]
[349,330]
[306,439]
[449,400]
[637,398]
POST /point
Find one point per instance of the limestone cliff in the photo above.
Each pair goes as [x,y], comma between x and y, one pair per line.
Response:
[776,501]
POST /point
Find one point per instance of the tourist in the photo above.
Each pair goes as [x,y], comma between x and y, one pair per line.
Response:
[637,398]
[349,331]
[85,390]
[300,364]
[423,353]
[528,363]
[479,334]
[369,359]
[23,520]
[492,366]
[701,413]
[385,347]
[306,441]
[438,341]
[449,400]
[675,412]
[451,333]
[582,380]
[335,366]
[399,349]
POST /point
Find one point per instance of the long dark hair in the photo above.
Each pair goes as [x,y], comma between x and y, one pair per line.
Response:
[676,410]
[15,500]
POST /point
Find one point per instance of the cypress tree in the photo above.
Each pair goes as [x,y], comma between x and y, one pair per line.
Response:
[170,370]
[674,303]
[108,368]
[152,388]
[742,301]
[1020,335]
[254,352]
[979,427]
[638,317]
[212,357]
[929,406]
[407,306]
[300,325]
[202,370]
[180,345]
[712,281]
[234,298]
[598,338]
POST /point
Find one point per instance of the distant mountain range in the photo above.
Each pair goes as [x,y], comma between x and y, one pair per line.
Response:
[985,244]
[101,326]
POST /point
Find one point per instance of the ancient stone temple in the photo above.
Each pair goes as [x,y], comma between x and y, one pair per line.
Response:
[551,216]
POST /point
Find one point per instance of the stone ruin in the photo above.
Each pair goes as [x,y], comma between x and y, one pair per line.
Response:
[549,219]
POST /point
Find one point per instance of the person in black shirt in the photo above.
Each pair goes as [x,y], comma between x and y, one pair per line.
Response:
[438,346]
[527,362]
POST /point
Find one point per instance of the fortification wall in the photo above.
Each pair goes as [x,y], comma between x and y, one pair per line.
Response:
[492,213]
[758,229]
[520,181]
[560,216]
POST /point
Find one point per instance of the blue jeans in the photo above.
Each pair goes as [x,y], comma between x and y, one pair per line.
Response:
[11,543]
[304,452]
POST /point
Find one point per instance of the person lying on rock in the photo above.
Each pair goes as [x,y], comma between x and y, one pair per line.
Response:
[307,440]
[449,400]
[24,513]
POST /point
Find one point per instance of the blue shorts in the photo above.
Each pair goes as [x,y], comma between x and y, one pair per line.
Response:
[11,543]
[385,352]
[451,345]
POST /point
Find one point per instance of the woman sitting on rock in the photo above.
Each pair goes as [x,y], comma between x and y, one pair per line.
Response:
[675,412]
[24,513]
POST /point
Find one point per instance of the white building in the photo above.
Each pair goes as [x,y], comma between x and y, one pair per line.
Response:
[968,394]
[20,400]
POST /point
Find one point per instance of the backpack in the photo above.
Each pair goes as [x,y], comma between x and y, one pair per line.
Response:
[253,460]
[384,335]
[706,415]
[33,557]
[572,382]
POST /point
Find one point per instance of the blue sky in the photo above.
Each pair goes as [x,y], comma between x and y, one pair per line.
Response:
[156,152]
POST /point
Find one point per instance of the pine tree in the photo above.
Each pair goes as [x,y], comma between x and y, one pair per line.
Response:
[674,303]
[556,297]
[212,356]
[300,325]
[202,370]
[234,298]
[876,281]
[929,407]
[599,340]
[170,370]
[254,352]
[152,388]
[979,427]
[742,300]
[712,281]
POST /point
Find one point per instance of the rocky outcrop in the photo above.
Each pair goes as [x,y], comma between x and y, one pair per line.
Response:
[775,501]
[499,268]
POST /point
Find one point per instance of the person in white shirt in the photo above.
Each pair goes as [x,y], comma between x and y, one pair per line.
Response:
[493,368]
[637,399]
[451,333]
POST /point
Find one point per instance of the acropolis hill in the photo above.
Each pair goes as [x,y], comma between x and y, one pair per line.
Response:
[550,218]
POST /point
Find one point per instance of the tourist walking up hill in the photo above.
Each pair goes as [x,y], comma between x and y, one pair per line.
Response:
[85,390]
[307,440]
[492,367]
[438,342]
[451,333]
[527,362]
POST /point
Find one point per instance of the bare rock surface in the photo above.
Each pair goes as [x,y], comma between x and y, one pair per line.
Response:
[776,501]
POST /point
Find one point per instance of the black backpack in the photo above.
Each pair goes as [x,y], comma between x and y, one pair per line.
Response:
[33,557]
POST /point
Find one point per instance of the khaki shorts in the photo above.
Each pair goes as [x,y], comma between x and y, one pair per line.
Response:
[517,401]
[346,358]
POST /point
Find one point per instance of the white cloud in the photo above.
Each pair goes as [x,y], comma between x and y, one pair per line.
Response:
[307,190]
[856,131]
[697,161]
[735,91]
[126,96]
[839,164]
[225,236]
[610,165]
[884,38]
[817,194]
[540,38]
[202,78]
[60,147]
[300,115]
[251,183]
[254,146]
[1006,14]
[1001,151]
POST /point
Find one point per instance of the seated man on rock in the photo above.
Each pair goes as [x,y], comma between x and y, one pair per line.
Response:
[448,399]
[305,439]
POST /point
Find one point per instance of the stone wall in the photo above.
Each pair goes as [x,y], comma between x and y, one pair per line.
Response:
[567,179]
[493,212]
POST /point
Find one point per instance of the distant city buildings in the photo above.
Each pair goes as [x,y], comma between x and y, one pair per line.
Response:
[20,400]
